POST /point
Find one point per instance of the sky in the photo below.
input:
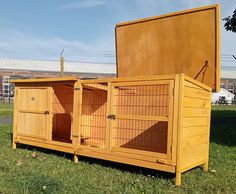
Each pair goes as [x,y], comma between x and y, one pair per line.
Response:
[85,28]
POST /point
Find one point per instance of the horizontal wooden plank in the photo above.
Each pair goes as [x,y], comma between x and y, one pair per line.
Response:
[96,86]
[197,83]
[195,140]
[191,165]
[197,157]
[201,121]
[194,150]
[116,158]
[196,112]
[194,131]
[47,145]
[130,79]
[196,103]
[144,118]
[140,152]
[58,79]
[143,83]
[191,85]
[196,93]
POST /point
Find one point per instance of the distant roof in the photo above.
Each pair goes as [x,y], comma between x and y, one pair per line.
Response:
[223,91]
[54,66]
[228,72]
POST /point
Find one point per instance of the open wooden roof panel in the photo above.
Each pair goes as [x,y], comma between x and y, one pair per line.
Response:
[182,42]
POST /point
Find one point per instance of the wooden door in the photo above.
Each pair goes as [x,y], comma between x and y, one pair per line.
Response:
[141,113]
[33,112]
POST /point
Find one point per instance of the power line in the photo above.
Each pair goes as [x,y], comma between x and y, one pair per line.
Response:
[55,49]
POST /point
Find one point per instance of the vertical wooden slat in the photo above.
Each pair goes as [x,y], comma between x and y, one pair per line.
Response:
[170,120]
[16,99]
[175,119]
[179,131]
[49,116]
[108,112]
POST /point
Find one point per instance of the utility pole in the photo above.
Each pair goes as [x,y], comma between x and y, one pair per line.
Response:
[62,63]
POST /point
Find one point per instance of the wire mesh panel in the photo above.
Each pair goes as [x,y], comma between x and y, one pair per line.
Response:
[62,109]
[94,115]
[142,117]
[147,100]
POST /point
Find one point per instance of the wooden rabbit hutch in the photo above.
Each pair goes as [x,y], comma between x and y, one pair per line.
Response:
[43,111]
[156,114]
[159,122]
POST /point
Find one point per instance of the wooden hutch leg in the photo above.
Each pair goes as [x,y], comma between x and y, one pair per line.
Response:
[178,179]
[14,145]
[205,167]
[76,158]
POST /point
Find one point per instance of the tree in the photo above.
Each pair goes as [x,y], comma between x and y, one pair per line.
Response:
[230,24]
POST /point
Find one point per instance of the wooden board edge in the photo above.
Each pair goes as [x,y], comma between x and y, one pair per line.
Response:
[33,80]
[180,123]
[214,6]
[196,82]
[218,58]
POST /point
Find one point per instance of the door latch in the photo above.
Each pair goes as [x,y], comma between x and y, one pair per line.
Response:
[113,117]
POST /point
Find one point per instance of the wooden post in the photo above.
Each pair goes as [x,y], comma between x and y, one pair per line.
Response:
[62,65]
[76,159]
[178,178]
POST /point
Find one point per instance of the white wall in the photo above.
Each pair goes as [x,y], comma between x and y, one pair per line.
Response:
[229,97]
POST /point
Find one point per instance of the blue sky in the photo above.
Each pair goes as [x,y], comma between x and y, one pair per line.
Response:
[85,28]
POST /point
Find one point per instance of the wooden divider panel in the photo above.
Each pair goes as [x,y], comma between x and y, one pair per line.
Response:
[62,109]
[94,115]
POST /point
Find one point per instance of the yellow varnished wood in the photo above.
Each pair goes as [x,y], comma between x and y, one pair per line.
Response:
[151,46]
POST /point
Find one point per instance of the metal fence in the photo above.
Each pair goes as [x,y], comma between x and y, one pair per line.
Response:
[17,66]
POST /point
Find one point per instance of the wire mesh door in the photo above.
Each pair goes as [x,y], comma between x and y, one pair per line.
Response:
[141,115]
[93,123]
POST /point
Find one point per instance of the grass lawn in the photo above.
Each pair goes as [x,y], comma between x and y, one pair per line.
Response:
[33,170]
[6,110]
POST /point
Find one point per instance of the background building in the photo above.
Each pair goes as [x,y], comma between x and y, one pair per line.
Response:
[228,78]
[223,97]
[22,69]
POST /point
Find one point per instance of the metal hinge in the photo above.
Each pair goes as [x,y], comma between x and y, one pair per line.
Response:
[76,88]
[113,117]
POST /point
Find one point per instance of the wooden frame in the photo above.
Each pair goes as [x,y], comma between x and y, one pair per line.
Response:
[26,129]
[183,137]
[150,46]
[186,134]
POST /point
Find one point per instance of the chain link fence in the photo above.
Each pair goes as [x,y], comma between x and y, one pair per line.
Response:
[15,65]
[23,63]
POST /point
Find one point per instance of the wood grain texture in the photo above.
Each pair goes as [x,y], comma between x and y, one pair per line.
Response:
[41,111]
[160,122]
[195,127]
[184,42]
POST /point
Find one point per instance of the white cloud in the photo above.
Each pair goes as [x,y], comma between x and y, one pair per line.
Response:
[17,45]
[80,4]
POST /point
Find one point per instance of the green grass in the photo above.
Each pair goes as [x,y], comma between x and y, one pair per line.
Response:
[6,110]
[224,107]
[54,172]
